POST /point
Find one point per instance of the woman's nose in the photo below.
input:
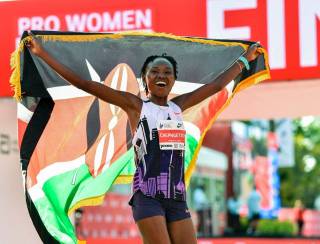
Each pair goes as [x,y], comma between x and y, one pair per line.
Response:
[161,75]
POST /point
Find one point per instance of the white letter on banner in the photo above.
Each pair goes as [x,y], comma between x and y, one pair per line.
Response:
[128,20]
[143,19]
[215,18]
[52,22]
[94,22]
[276,34]
[23,24]
[110,23]
[76,22]
[309,11]
[37,23]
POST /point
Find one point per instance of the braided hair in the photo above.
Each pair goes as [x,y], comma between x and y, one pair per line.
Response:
[151,59]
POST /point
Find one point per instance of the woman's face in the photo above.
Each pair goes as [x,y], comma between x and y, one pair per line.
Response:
[159,77]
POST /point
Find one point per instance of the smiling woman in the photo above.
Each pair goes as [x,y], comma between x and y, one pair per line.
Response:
[161,139]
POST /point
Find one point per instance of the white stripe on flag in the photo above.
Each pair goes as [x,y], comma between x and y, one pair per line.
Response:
[51,171]
[23,113]
[181,87]
[66,92]
[35,192]
[192,130]
[93,74]
[230,87]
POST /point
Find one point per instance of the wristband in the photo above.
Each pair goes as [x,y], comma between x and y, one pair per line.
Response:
[245,62]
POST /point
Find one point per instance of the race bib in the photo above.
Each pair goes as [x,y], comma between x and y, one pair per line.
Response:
[171,135]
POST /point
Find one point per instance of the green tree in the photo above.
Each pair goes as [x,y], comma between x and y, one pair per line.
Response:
[303,180]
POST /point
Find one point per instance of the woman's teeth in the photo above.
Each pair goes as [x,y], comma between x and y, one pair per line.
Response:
[161,83]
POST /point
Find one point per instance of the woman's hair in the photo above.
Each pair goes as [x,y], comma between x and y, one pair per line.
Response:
[151,59]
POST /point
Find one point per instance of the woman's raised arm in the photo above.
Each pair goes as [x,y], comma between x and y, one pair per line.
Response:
[190,99]
[127,101]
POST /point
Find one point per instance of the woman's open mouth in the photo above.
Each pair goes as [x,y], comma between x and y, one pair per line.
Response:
[161,83]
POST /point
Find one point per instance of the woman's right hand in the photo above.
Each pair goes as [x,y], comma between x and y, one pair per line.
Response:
[252,53]
[35,46]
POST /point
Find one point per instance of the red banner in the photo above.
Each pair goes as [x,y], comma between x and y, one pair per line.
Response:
[289,29]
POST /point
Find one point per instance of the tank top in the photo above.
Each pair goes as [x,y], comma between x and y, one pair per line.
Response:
[159,152]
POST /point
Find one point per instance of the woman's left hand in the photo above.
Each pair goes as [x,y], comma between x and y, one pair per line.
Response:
[252,53]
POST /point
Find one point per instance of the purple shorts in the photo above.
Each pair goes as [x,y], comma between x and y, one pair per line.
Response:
[144,207]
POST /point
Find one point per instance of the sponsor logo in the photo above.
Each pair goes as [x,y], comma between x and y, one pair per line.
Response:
[8,145]
[165,146]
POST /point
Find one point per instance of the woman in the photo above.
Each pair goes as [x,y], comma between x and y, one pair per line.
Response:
[159,202]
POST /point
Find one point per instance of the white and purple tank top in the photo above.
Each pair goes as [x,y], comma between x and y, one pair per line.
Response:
[159,152]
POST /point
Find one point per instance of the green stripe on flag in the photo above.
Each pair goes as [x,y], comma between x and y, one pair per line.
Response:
[63,193]
[191,146]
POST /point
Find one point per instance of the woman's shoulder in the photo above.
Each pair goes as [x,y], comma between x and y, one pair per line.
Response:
[174,106]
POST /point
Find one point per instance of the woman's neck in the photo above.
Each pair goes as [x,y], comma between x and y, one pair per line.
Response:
[161,101]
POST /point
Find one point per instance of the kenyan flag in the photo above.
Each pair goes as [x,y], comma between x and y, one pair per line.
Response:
[73,146]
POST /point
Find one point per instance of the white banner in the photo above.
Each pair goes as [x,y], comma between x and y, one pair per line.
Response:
[15,224]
